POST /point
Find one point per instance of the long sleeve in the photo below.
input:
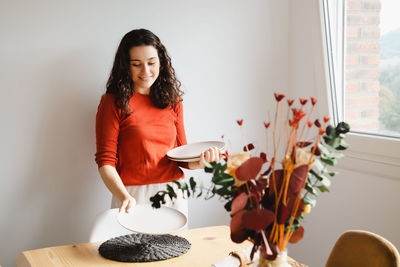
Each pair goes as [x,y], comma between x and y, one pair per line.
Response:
[107,131]
[180,131]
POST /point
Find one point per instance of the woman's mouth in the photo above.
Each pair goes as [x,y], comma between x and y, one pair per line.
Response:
[145,78]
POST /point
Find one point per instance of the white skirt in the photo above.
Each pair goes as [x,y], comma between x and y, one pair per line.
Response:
[142,194]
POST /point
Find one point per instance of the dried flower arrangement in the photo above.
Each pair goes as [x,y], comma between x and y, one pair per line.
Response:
[266,197]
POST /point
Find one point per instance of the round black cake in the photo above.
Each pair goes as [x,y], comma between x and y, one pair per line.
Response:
[144,248]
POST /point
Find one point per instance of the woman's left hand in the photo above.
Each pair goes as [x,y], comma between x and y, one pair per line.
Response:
[210,155]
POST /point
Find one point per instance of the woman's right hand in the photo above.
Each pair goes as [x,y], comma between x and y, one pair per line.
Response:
[127,204]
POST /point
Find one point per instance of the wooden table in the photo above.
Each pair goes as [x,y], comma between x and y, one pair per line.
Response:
[209,245]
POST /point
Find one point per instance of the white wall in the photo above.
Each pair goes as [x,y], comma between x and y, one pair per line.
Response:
[359,199]
[54,62]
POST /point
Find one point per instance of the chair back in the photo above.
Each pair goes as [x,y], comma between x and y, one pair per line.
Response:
[106,226]
[358,248]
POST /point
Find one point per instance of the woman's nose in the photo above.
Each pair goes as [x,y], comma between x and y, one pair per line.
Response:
[145,68]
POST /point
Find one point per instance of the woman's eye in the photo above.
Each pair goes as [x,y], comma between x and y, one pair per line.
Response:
[136,65]
[152,63]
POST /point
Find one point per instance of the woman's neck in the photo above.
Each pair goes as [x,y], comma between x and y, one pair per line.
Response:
[142,91]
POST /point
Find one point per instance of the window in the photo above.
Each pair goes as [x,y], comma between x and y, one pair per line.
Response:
[362,45]
[364,52]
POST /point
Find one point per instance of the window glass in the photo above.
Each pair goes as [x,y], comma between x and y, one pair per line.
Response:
[365,63]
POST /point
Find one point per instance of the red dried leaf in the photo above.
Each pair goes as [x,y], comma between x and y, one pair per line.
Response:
[309,123]
[240,122]
[313,101]
[297,235]
[239,202]
[266,125]
[249,169]
[239,236]
[249,147]
[255,196]
[268,201]
[326,119]
[321,131]
[263,156]
[222,136]
[279,97]
[298,178]
[317,151]
[283,214]
[303,143]
[316,122]
[303,101]
[237,221]
[290,102]
[258,219]
[291,201]
[278,180]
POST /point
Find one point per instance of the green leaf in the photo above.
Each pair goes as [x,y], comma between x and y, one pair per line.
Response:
[332,173]
[322,178]
[192,183]
[208,170]
[223,167]
[323,188]
[201,187]
[223,191]
[171,192]
[342,127]
[330,130]
[184,186]
[337,155]
[217,167]
[225,175]
[157,199]
[228,206]
[327,139]
[226,182]
[329,161]
[342,145]
[336,142]
[215,179]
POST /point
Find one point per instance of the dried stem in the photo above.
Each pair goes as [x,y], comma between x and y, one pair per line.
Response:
[244,138]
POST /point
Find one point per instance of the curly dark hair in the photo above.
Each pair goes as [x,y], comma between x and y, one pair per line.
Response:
[164,92]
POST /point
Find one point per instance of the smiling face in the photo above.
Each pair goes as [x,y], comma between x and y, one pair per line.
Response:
[144,66]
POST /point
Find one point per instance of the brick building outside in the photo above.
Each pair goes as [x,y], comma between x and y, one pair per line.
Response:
[362,58]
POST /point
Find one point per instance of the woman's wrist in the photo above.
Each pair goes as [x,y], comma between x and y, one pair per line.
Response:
[194,165]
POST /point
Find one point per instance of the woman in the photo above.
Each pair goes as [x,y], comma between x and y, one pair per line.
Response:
[139,119]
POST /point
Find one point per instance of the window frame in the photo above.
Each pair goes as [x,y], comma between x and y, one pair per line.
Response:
[376,154]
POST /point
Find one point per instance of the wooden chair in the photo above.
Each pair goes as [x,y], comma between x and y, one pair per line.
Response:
[357,248]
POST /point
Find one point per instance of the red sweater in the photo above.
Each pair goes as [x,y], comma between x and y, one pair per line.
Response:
[137,145]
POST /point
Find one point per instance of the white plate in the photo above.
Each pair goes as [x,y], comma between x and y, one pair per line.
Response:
[147,220]
[194,150]
[184,160]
